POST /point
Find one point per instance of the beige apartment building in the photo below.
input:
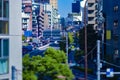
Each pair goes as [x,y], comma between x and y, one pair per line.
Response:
[92,9]
[52,2]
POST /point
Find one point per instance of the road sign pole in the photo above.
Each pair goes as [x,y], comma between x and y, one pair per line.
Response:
[98,59]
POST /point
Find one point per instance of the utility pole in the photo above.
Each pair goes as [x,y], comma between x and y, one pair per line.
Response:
[85,23]
[98,59]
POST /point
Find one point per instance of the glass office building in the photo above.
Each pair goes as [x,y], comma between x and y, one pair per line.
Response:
[112,28]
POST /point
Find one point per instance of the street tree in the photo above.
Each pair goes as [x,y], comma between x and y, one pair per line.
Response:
[58,55]
[48,67]
[70,38]
[79,55]
[62,44]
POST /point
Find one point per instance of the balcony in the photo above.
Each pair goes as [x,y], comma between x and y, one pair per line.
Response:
[91,1]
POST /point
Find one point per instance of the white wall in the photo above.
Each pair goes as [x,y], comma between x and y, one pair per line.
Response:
[15,26]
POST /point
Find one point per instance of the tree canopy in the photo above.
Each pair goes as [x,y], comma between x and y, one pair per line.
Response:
[91,38]
[70,38]
[49,67]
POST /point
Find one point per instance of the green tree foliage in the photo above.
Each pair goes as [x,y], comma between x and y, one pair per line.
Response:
[62,44]
[48,67]
[58,55]
[70,38]
[28,73]
[23,38]
[78,55]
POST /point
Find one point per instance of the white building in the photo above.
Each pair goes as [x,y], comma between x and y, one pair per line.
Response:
[52,15]
[10,40]
[25,21]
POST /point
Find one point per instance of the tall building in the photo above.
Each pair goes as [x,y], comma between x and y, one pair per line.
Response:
[43,21]
[10,40]
[112,29]
[52,2]
[92,9]
[76,7]
[35,13]
[27,18]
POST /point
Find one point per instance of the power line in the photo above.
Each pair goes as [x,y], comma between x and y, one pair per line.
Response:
[107,43]
[110,63]
[89,53]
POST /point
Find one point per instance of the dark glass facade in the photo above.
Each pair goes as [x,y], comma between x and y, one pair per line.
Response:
[76,7]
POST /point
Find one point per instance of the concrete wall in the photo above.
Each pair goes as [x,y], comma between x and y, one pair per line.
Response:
[15,39]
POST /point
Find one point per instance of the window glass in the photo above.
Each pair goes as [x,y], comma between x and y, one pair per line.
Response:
[116,8]
[116,37]
[6,8]
[0,48]
[3,66]
[90,4]
[4,52]
[5,47]
[0,8]
[115,23]
[4,27]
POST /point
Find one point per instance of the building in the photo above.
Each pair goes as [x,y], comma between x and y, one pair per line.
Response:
[42,20]
[51,34]
[111,25]
[27,11]
[35,13]
[92,9]
[52,2]
[52,16]
[76,7]
[10,40]
[25,21]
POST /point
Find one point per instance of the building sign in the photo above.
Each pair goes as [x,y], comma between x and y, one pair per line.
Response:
[108,34]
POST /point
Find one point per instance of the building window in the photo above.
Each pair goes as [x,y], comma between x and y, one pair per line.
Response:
[4,8]
[4,15]
[115,8]
[90,18]
[90,4]
[116,37]
[4,27]
[0,8]
[116,51]
[116,54]
[4,53]
[90,11]
[115,23]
